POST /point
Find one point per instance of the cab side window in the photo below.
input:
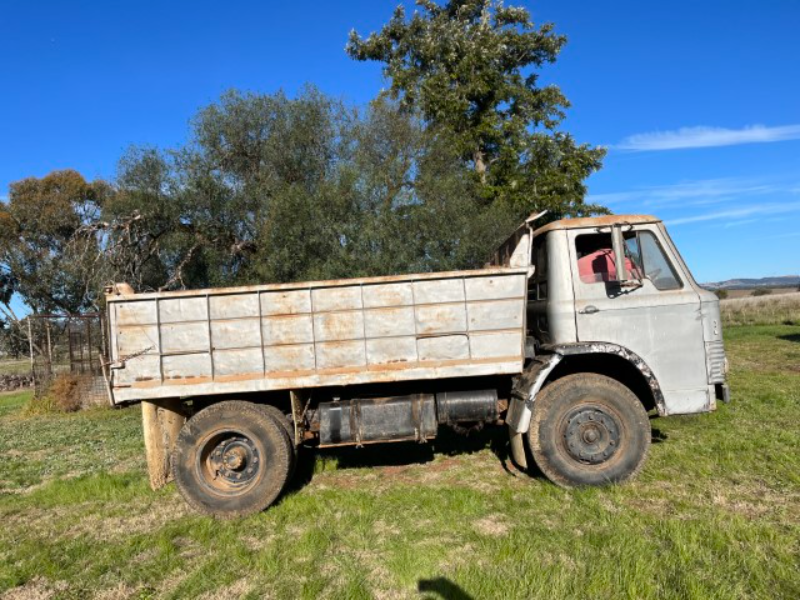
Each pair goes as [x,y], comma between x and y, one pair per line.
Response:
[644,258]
[655,264]
[596,262]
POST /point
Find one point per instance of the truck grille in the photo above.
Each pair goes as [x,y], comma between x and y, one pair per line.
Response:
[715,358]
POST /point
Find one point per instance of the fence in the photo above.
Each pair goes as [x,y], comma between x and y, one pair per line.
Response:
[74,347]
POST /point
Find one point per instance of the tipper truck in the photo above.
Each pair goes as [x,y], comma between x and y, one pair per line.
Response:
[571,337]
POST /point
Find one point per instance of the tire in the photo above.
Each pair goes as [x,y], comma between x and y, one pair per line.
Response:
[588,429]
[288,425]
[232,459]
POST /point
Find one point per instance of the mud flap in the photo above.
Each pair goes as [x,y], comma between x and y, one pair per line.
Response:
[523,396]
[517,449]
[162,421]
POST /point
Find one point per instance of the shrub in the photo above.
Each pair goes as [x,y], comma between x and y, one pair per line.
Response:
[721,294]
[761,292]
[64,394]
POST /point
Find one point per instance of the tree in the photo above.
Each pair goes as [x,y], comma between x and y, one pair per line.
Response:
[761,292]
[46,257]
[471,67]
[273,189]
[721,294]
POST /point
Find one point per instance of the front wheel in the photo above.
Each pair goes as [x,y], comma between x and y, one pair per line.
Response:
[588,429]
[232,459]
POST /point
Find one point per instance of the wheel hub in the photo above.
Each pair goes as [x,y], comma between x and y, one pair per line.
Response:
[234,460]
[591,435]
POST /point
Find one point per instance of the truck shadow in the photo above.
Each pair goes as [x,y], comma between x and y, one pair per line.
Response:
[443,588]
[402,454]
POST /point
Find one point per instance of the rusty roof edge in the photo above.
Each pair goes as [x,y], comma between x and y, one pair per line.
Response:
[603,221]
[270,287]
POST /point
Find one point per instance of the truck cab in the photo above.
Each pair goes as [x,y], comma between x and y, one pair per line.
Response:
[612,296]
[652,308]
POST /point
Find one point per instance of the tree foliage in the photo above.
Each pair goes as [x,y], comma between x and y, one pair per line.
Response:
[471,68]
[46,257]
[273,189]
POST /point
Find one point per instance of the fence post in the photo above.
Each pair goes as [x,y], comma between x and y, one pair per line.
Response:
[49,350]
[30,346]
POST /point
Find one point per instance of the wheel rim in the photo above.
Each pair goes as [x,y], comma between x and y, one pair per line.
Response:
[591,434]
[230,462]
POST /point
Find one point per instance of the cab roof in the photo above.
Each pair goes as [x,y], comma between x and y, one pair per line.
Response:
[592,222]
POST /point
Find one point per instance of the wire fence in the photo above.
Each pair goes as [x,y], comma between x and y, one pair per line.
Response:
[71,348]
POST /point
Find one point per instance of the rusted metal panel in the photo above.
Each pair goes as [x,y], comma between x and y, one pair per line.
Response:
[441,318]
[339,326]
[444,347]
[388,294]
[234,306]
[187,366]
[386,322]
[336,355]
[184,337]
[494,344]
[395,350]
[141,339]
[237,362]
[288,329]
[293,336]
[438,291]
[281,359]
[336,298]
[492,288]
[235,334]
[292,302]
[500,314]
[179,310]
[136,313]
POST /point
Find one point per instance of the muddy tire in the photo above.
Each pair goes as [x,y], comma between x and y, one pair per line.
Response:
[232,459]
[288,425]
[588,429]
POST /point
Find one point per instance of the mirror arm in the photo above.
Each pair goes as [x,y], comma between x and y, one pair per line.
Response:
[619,253]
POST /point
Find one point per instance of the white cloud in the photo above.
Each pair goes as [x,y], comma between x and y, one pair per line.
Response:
[691,193]
[707,137]
[758,210]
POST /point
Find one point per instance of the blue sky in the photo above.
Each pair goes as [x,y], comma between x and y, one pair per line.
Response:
[699,102]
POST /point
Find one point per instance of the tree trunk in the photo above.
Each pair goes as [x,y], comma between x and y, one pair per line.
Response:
[480,165]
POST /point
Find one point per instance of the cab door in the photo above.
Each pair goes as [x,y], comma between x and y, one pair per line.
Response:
[657,317]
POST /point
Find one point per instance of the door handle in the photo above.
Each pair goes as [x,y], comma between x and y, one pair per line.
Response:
[589,310]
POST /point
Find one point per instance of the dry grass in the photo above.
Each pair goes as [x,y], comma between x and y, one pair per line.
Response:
[67,393]
[776,309]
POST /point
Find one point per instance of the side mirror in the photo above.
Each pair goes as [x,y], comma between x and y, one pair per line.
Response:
[618,245]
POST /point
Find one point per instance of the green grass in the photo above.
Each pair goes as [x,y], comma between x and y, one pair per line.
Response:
[716,513]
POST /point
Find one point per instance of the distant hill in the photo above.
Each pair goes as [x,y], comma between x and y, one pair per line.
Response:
[747,284]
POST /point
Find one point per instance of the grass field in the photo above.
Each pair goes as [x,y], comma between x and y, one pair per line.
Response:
[716,513]
[780,309]
[15,366]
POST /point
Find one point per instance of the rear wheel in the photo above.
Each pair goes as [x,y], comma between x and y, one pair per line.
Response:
[588,429]
[232,459]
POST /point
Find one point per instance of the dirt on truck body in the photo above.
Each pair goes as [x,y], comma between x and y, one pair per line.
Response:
[569,337]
